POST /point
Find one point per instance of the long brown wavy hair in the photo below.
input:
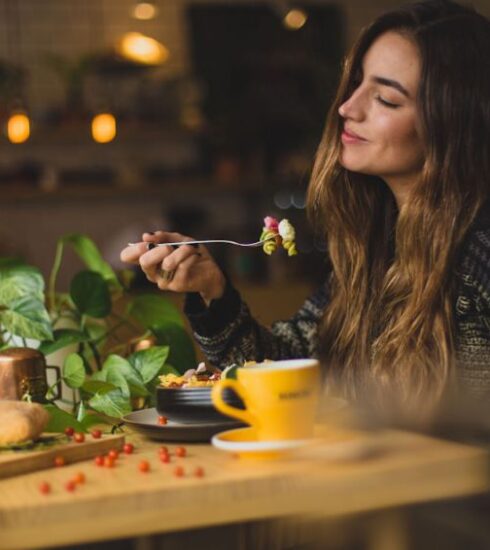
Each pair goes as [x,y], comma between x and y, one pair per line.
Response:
[389,323]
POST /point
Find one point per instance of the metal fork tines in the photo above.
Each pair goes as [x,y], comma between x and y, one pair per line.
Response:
[211,241]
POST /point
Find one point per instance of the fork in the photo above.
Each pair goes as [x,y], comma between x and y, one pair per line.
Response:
[212,241]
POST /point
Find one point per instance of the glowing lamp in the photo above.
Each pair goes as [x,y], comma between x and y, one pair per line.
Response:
[103,128]
[142,49]
[295,19]
[144,11]
[18,128]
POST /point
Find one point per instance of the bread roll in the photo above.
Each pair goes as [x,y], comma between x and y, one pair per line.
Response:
[21,421]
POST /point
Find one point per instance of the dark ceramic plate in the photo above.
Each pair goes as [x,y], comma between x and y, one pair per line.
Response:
[146,423]
[193,405]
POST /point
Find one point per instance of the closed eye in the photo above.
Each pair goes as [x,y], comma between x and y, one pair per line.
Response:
[388,104]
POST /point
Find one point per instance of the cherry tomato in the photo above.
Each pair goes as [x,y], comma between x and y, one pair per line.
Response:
[79,478]
[79,437]
[59,461]
[99,460]
[199,471]
[128,448]
[69,431]
[96,434]
[70,486]
[113,453]
[162,420]
[44,488]
[109,462]
[180,452]
[163,449]
[165,458]
[178,471]
[144,466]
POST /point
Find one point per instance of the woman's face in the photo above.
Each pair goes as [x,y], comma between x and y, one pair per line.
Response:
[381,126]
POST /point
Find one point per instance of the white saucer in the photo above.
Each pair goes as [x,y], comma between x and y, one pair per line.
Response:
[243,442]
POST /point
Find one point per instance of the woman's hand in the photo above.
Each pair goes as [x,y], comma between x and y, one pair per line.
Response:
[188,268]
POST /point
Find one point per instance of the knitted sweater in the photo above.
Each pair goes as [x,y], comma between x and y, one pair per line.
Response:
[227,332]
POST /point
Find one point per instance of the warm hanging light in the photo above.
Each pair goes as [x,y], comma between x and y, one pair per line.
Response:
[142,49]
[144,11]
[104,127]
[18,128]
[295,19]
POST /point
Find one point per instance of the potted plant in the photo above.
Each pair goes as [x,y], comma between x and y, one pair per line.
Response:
[98,323]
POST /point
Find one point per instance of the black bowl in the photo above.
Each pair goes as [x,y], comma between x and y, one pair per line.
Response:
[193,405]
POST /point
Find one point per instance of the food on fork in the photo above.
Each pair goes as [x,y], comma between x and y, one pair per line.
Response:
[276,233]
[21,421]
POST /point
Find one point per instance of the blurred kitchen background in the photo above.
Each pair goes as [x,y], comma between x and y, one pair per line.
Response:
[121,116]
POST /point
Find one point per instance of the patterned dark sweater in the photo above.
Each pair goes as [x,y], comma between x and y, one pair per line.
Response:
[227,332]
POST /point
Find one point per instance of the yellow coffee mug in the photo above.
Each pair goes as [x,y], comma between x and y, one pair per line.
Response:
[280,398]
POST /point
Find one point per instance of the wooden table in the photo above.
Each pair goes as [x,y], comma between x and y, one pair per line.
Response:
[123,502]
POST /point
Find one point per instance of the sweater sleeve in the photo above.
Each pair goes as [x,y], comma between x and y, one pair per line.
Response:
[227,333]
[473,316]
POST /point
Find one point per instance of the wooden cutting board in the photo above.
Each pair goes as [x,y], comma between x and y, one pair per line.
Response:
[20,462]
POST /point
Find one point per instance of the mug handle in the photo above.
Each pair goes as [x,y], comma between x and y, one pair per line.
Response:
[219,403]
[58,381]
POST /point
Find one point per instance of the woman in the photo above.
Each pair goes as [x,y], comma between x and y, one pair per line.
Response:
[399,189]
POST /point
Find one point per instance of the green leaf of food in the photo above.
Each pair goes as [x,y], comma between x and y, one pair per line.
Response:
[61,338]
[18,280]
[117,366]
[89,253]
[73,371]
[60,419]
[27,317]
[182,350]
[168,369]
[113,404]
[230,371]
[153,311]
[148,362]
[90,294]
[97,386]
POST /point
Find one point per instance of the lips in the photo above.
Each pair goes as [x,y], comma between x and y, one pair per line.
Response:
[352,134]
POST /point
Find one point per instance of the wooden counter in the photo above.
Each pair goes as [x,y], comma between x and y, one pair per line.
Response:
[123,502]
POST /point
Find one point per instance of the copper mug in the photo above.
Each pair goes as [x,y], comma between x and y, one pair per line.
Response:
[23,371]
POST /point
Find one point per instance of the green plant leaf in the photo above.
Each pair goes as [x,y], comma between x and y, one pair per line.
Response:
[113,404]
[96,329]
[18,281]
[115,377]
[116,366]
[182,350]
[88,252]
[27,317]
[82,412]
[90,294]
[153,311]
[60,419]
[73,371]
[148,362]
[92,419]
[97,386]
[61,338]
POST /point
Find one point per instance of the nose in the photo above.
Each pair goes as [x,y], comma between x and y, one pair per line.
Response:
[353,108]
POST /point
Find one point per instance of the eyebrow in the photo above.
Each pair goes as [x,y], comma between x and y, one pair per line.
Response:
[391,83]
